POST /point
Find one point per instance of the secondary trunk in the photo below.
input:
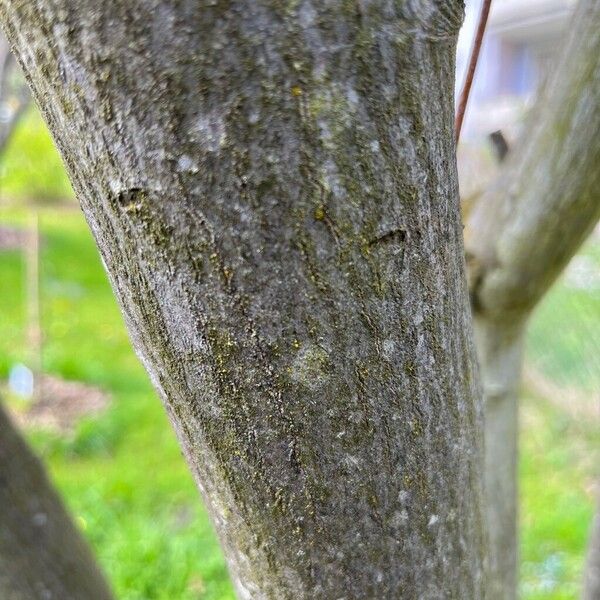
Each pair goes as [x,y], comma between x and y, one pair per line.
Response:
[519,236]
[272,187]
[499,348]
[42,555]
[591,582]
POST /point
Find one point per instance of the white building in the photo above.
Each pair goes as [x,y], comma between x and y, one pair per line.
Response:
[523,39]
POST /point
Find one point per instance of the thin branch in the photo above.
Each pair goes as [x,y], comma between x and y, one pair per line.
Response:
[464,94]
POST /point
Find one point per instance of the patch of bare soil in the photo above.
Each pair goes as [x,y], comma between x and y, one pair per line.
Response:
[59,404]
[12,238]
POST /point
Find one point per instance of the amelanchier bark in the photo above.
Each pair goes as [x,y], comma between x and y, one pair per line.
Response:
[591,582]
[272,187]
[42,555]
[519,237]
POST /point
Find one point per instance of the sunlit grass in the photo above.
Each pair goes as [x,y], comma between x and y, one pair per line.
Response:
[30,167]
[559,458]
[121,473]
[564,335]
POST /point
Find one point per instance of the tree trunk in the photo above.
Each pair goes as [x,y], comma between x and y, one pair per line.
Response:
[591,583]
[500,356]
[519,237]
[42,555]
[272,187]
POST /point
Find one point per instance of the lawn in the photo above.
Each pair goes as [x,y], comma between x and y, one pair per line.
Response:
[122,473]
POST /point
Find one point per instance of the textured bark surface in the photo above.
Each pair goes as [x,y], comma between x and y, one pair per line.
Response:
[42,555]
[519,237]
[272,187]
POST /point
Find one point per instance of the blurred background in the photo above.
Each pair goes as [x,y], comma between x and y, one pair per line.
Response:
[71,381]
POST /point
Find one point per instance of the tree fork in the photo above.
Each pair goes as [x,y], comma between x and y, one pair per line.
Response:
[519,237]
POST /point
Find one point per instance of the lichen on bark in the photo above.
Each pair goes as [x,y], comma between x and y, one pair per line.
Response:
[272,188]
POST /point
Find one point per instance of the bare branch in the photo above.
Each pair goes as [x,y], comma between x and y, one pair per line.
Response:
[547,197]
[466,90]
[520,234]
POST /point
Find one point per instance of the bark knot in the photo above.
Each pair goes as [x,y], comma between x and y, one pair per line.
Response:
[130,197]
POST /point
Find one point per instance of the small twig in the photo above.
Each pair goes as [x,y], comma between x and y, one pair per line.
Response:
[464,94]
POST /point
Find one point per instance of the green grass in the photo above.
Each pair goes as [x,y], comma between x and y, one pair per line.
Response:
[30,167]
[564,335]
[122,473]
[560,454]
[558,462]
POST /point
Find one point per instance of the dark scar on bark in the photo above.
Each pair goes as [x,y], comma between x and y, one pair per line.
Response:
[395,235]
[127,198]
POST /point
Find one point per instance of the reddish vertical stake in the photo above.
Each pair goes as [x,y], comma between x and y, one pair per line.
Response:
[464,94]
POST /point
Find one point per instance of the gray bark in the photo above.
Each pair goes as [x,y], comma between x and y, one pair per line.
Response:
[42,555]
[272,187]
[591,583]
[499,347]
[546,201]
[519,237]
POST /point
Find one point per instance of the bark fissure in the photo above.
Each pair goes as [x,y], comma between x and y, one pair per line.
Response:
[273,190]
